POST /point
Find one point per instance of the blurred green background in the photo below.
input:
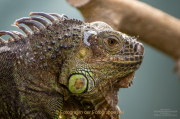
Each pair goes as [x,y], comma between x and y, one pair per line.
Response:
[155,87]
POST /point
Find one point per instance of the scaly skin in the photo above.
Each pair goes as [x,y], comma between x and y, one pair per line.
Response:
[66,66]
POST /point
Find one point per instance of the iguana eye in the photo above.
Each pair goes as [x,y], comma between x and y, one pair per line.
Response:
[111,41]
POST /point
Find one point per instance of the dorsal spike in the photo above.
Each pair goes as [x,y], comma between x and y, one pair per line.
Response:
[33,28]
[137,38]
[18,34]
[60,17]
[42,21]
[52,19]
[25,30]
[27,22]
[2,41]
[9,33]
[56,15]
[10,39]
[64,16]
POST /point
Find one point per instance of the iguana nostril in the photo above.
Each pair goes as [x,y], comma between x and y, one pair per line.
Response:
[140,49]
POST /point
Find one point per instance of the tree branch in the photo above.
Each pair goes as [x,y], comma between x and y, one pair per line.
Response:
[154,27]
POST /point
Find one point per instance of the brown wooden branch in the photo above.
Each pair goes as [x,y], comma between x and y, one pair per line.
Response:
[154,27]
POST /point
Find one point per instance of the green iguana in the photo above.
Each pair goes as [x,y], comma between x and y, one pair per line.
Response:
[66,68]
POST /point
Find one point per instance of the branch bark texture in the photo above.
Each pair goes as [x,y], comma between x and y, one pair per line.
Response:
[132,17]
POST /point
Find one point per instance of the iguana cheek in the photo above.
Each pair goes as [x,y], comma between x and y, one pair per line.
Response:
[77,83]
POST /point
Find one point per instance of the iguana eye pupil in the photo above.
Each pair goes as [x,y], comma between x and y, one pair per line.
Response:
[112,42]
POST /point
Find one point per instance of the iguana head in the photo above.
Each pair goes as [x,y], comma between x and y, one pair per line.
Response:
[104,62]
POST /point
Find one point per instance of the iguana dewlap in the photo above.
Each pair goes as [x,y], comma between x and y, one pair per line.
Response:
[65,66]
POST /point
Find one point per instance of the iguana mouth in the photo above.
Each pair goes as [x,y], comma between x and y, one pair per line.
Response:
[120,59]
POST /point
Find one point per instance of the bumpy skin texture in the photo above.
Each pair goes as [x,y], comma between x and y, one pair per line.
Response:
[65,66]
